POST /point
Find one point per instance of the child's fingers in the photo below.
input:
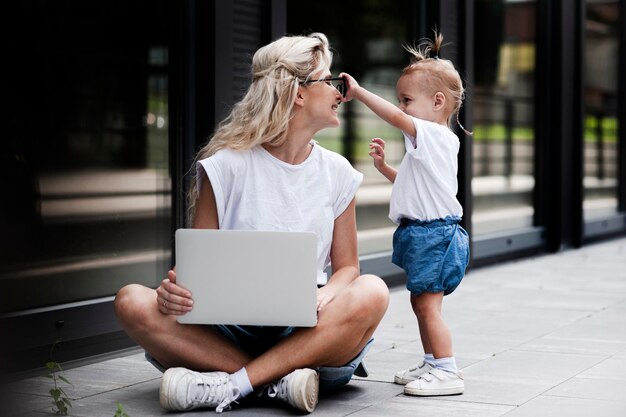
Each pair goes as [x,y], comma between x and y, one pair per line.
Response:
[377,154]
[347,77]
[350,83]
[379,141]
[376,149]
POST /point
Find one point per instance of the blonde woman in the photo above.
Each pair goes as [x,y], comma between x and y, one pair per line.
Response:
[298,185]
[429,244]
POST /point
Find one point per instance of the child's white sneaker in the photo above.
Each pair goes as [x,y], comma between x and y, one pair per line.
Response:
[436,382]
[411,374]
[183,389]
[299,389]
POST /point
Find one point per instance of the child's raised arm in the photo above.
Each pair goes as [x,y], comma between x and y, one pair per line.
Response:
[384,109]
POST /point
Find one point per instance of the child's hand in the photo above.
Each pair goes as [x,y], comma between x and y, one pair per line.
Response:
[351,86]
[377,152]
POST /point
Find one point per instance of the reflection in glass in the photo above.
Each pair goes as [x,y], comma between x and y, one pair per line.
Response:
[503,102]
[85,154]
[368,45]
[600,108]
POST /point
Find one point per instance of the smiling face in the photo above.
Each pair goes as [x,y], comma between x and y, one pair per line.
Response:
[321,101]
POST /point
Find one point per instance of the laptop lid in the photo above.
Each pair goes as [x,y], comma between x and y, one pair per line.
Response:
[248,277]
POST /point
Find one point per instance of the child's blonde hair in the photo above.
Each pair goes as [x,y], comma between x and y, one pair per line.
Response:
[439,74]
[263,114]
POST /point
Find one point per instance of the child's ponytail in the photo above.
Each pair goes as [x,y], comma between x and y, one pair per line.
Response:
[427,49]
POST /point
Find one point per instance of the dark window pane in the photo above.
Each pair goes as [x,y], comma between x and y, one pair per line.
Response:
[600,107]
[503,100]
[85,150]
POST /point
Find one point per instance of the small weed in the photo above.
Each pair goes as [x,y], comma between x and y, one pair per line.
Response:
[59,398]
[120,411]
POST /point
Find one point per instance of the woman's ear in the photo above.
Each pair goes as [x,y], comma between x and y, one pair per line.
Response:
[439,101]
[299,100]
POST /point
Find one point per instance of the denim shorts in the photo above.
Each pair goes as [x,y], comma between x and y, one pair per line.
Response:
[255,340]
[434,254]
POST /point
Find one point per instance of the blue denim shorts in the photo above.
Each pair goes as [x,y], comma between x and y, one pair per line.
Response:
[434,254]
[255,340]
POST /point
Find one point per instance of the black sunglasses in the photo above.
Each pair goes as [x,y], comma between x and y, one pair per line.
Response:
[340,86]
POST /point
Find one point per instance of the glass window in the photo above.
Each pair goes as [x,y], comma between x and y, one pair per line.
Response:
[503,99]
[600,108]
[367,41]
[85,151]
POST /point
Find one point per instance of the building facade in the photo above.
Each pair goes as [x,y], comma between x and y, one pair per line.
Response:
[107,103]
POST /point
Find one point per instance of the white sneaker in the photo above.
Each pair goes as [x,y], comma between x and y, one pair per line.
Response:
[411,374]
[300,389]
[436,382]
[182,389]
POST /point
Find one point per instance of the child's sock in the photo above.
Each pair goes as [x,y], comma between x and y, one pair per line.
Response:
[240,379]
[446,364]
[429,359]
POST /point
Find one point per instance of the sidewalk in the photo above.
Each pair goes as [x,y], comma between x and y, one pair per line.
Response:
[544,336]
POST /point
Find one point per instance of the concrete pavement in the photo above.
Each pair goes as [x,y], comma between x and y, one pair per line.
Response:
[544,336]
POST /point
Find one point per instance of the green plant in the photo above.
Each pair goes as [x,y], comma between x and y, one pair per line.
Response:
[120,411]
[59,398]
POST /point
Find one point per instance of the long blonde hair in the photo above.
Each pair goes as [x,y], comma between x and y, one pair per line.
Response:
[263,114]
[440,74]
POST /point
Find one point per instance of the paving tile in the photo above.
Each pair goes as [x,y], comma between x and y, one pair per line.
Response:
[604,325]
[392,337]
[363,393]
[548,406]
[459,317]
[414,406]
[482,345]
[517,326]
[613,369]
[577,345]
[138,400]
[591,388]
[497,391]
[23,404]
[572,300]
[620,355]
[542,368]
[89,380]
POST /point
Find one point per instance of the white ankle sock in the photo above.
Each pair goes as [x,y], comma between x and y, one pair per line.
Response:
[240,380]
[446,364]
[429,359]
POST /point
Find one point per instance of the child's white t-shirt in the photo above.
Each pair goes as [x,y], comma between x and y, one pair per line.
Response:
[256,191]
[426,185]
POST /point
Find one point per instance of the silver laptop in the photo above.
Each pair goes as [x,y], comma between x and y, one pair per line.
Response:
[248,277]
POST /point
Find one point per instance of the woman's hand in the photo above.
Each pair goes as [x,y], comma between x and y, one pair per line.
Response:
[324,296]
[172,298]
